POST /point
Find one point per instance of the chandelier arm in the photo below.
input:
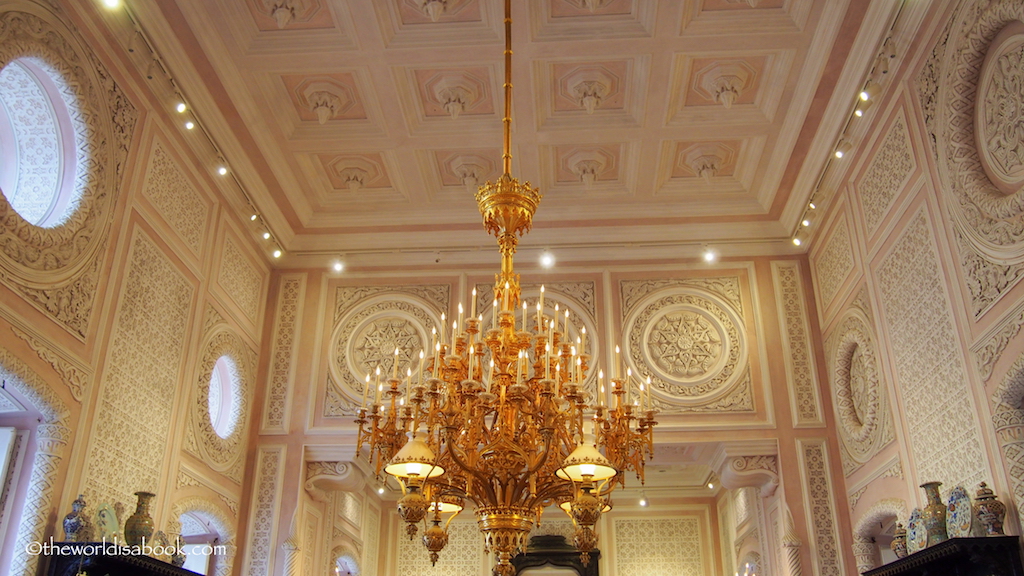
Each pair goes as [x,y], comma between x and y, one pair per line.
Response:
[461,463]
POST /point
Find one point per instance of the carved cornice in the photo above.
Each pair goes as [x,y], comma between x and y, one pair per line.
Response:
[73,374]
[988,351]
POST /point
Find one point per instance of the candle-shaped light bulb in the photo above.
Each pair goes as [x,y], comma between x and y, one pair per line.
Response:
[394,366]
[443,318]
[540,304]
[618,363]
[494,314]
[600,385]
[554,320]
[650,404]
[377,384]
[459,324]
[583,340]
[566,329]
[472,312]
[540,315]
[421,367]
[408,379]
[366,390]
[455,329]
[524,314]
[506,298]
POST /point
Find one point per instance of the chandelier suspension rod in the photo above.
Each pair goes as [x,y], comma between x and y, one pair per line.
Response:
[506,155]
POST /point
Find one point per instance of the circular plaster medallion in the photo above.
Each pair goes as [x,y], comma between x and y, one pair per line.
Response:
[999,107]
[689,341]
[368,337]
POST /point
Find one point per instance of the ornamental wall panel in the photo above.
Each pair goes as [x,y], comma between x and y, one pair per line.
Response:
[370,322]
[887,174]
[57,269]
[859,390]
[264,510]
[222,454]
[970,95]
[930,375]
[690,337]
[798,354]
[242,280]
[167,187]
[820,507]
[463,556]
[287,326]
[834,262]
[660,547]
[144,369]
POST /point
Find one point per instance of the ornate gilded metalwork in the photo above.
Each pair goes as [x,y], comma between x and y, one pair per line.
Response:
[504,422]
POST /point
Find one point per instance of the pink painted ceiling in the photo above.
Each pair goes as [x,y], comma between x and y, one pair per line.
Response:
[360,126]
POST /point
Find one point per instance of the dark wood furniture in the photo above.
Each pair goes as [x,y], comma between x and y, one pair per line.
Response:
[69,563]
[991,556]
[555,551]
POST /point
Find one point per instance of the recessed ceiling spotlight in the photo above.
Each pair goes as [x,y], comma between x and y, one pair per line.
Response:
[380,490]
[811,205]
[710,255]
[189,125]
[111,4]
[222,170]
[181,107]
[643,500]
[711,485]
[266,235]
[843,148]
[338,266]
[797,242]
[547,259]
[277,253]
[253,217]
[806,222]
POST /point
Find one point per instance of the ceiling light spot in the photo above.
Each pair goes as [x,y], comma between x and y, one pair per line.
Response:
[547,260]
[710,255]
[277,253]
[222,170]
[338,266]
[266,235]
[797,242]
[189,125]
[181,107]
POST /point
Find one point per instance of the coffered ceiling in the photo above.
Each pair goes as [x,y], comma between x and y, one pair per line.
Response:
[361,127]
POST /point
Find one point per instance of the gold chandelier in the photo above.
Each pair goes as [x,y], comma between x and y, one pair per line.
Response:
[504,421]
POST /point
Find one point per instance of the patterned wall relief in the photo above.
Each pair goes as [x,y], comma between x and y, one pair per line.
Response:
[929,369]
[988,350]
[241,280]
[860,396]
[190,478]
[73,372]
[887,174]
[143,371]
[834,263]
[463,556]
[689,336]
[263,510]
[799,357]
[56,269]
[1008,419]
[370,323]
[970,91]
[225,455]
[282,368]
[820,507]
[660,547]
[179,203]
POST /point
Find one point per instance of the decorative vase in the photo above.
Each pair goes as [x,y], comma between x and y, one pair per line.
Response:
[899,541]
[934,514]
[178,556]
[990,510]
[75,522]
[139,526]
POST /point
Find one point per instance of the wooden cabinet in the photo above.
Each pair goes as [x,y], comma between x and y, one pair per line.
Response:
[991,556]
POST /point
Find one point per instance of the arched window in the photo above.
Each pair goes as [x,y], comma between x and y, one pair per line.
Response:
[39,155]
[225,396]
[346,565]
[200,538]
